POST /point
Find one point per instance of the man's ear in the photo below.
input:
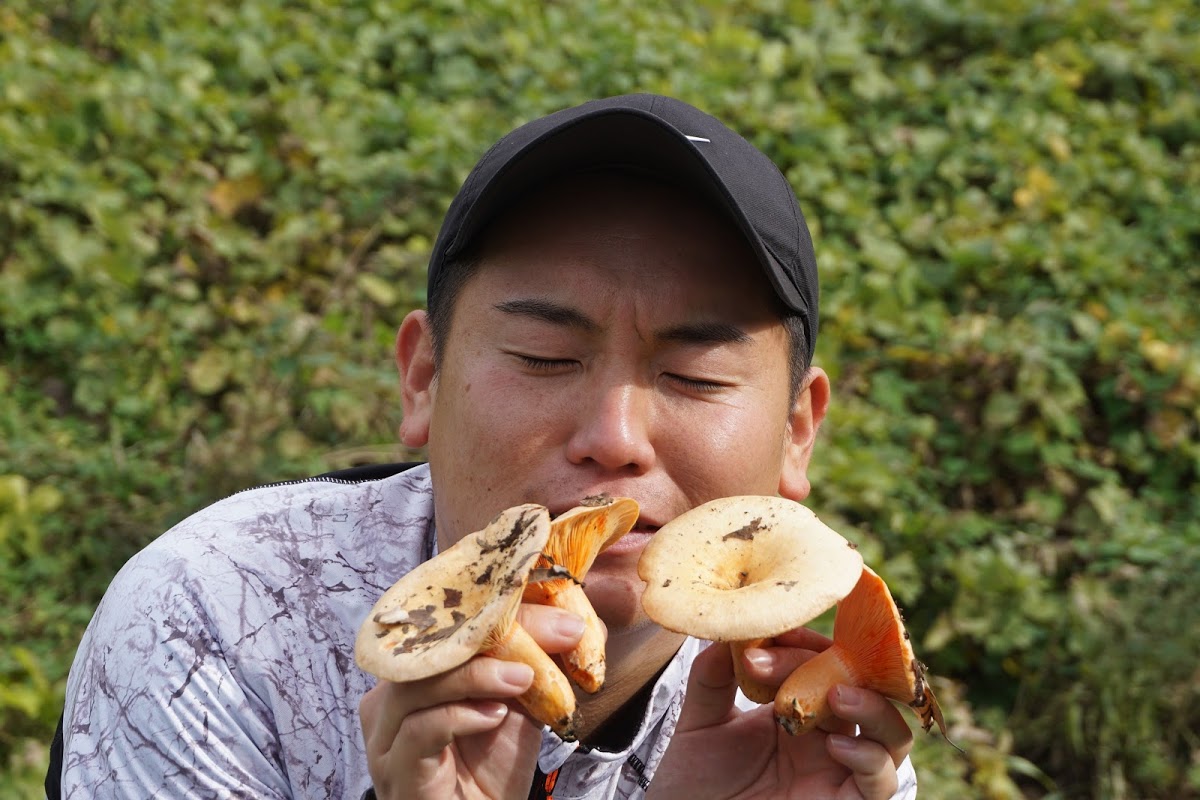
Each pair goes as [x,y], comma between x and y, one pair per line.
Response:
[414,360]
[807,413]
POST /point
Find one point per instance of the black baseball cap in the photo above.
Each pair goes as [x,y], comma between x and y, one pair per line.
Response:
[658,136]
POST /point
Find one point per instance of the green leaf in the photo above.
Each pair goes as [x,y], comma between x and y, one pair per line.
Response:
[209,372]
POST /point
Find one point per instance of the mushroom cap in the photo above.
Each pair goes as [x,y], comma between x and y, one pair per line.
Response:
[871,629]
[745,567]
[580,534]
[450,608]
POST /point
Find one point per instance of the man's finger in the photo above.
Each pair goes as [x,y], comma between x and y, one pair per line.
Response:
[877,719]
[804,639]
[710,692]
[838,725]
[773,665]
[384,708]
[424,734]
[416,764]
[872,773]
[555,630]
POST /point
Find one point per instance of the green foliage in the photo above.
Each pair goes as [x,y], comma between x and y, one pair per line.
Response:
[214,215]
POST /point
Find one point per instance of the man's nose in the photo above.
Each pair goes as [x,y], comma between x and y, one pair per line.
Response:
[613,430]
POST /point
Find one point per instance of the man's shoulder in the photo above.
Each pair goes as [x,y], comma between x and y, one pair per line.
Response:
[294,536]
[403,484]
[238,624]
[315,508]
[289,567]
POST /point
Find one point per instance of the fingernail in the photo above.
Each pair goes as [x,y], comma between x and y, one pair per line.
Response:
[848,696]
[760,658]
[843,744]
[515,674]
[569,626]
[493,710]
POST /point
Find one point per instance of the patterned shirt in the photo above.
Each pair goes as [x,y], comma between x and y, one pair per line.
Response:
[220,661]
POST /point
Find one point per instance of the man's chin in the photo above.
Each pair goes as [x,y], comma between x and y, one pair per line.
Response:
[617,598]
[613,584]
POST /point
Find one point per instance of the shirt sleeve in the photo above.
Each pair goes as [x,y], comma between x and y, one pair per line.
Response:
[907,777]
[153,708]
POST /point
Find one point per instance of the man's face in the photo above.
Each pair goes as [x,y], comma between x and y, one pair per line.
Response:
[616,338]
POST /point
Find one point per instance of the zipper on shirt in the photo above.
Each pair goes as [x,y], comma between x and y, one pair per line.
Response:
[346,477]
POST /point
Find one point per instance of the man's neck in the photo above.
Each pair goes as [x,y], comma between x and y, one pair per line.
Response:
[634,661]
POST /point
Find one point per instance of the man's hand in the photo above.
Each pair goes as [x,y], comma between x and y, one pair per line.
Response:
[719,751]
[457,735]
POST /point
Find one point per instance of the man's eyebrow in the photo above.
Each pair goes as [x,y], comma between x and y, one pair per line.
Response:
[705,333]
[547,311]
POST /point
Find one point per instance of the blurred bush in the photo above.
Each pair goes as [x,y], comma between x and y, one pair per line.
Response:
[213,216]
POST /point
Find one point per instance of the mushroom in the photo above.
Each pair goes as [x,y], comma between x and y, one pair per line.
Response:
[871,649]
[464,602]
[576,538]
[743,570]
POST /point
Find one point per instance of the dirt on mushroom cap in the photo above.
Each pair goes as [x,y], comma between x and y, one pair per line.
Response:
[440,614]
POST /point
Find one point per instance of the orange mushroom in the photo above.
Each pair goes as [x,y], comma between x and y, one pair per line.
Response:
[576,538]
[743,570]
[871,649]
[464,602]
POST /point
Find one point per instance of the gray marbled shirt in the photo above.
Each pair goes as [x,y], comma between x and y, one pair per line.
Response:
[220,661]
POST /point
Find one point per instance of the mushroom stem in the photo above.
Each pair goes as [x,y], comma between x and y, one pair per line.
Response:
[549,698]
[754,690]
[584,664]
[802,702]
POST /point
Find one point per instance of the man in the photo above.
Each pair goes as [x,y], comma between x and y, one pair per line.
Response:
[622,299]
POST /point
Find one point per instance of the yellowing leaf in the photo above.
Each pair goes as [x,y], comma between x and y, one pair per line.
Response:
[1171,427]
[45,499]
[1024,197]
[770,59]
[1059,147]
[209,373]
[231,195]
[1038,186]
[292,444]
[14,493]
[1161,355]
[244,311]
[379,290]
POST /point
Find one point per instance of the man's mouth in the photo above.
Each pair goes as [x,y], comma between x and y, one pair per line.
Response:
[632,542]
